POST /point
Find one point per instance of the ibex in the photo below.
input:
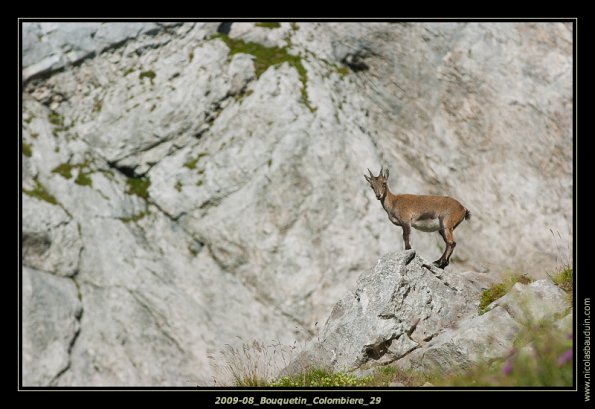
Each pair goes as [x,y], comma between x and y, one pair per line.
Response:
[425,213]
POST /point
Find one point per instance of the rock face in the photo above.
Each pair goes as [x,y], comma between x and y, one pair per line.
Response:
[51,314]
[405,314]
[198,187]
[482,338]
[397,306]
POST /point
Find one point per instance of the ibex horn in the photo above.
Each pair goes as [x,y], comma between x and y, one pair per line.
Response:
[371,175]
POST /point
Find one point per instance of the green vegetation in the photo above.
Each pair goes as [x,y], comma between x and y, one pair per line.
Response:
[294,26]
[270,25]
[139,187]
[27,151]
[564,279]
[40,193]
[548,362]
[134,218]
[386,375]
[179,186]
[199,182]
[318,377]
[97,106]
[147,74]
[541,357]
[498,290]
[266,57]
[191,164]
[34,135]
[56,119]
[190,56]
[83,179]
[64,170]
[343,71]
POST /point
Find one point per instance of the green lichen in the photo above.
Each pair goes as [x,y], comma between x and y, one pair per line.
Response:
[27,149]
[147,74]
[39,192]
[134,217]
[270,25]
[97,106]
[56,119]
[83,179]
[191,164]
[139,187]
[64,170]
[343,71]
[266,57]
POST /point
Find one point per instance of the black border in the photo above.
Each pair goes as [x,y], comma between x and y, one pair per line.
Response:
[393,395]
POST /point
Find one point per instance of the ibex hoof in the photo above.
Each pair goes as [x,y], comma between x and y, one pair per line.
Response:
[440,263]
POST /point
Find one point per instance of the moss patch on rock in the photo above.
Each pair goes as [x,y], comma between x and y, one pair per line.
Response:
[40,193]
[268,24]
[139,187]
[266,57]
[27,150]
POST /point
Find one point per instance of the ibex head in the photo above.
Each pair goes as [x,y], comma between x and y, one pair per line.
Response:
[378,183]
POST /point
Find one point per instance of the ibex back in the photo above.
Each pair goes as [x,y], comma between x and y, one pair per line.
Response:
[425,213]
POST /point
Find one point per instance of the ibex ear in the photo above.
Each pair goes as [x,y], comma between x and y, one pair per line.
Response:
[386,174]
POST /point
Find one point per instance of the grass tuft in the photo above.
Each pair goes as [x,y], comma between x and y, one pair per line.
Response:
[500,289]
[321,378]
[563,279]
